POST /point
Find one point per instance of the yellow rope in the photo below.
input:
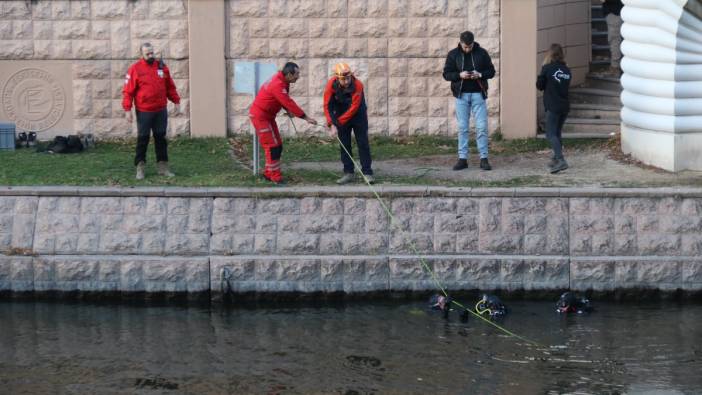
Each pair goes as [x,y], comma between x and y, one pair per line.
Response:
[421,259]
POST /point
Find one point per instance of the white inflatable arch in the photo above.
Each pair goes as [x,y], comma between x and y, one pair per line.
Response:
[662,82]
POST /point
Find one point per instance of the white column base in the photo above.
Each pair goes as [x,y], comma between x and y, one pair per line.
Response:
[668,151]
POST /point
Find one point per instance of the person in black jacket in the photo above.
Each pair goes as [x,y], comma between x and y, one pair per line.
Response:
[468,67]
[611,9]
[554,80]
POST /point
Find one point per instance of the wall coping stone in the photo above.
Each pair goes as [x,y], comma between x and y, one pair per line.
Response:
[349,191]
[634,258]
[430,256]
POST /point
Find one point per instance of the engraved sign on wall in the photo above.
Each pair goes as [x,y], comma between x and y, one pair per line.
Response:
[37,97]
[33,99]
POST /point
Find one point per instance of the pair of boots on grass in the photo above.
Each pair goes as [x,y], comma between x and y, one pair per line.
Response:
[26,140]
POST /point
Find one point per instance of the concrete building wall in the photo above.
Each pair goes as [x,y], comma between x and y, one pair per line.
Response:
[77,53]
[396,47]
[86,47]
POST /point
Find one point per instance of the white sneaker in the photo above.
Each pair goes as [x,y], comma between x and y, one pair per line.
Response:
[140,171]
[345,179]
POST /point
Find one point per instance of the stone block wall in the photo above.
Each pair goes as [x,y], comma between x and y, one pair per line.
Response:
[340,239]
[100,39]
[396,47]
[566,22]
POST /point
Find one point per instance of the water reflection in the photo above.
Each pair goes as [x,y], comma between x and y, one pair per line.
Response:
[360,348]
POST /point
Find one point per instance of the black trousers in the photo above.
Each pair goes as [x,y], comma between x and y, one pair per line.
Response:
[554,125]
[360,130]
[146,122]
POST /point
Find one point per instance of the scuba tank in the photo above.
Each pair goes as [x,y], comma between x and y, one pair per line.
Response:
[491,305]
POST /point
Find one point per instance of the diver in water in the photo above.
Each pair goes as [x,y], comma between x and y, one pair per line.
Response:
[569,302]
[491,305]
[440,302]
[443,303]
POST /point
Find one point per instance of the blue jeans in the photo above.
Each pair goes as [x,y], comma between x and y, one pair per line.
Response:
[466,104]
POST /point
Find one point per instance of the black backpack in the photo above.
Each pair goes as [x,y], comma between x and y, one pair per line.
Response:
[65,145]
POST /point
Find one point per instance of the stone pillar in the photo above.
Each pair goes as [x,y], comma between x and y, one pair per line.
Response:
[662,83]
[207,68]
[518,69]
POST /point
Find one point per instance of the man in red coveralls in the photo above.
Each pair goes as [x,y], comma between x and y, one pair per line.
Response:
[148,84]
[273,96]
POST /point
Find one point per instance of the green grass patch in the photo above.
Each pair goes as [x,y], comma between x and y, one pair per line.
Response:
[196,162]
[324,149]
[520,146]
[204,162]
[207,162]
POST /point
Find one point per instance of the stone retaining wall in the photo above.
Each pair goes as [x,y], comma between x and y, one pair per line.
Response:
[340,239]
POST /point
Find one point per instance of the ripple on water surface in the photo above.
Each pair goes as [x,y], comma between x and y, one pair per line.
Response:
[352,349]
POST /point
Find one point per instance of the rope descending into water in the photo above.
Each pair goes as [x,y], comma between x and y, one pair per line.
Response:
[416,252]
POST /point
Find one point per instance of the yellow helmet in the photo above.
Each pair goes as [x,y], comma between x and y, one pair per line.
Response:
[342,70]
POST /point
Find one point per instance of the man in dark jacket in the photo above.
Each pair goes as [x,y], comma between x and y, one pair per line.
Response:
[149,85]
[612,9]
[345,110]
[468,67]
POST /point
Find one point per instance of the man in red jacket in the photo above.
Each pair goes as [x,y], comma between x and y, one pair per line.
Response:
[148,84]
[273,96]
[345,110]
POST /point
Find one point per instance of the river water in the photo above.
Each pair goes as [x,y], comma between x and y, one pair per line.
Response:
[355,348]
